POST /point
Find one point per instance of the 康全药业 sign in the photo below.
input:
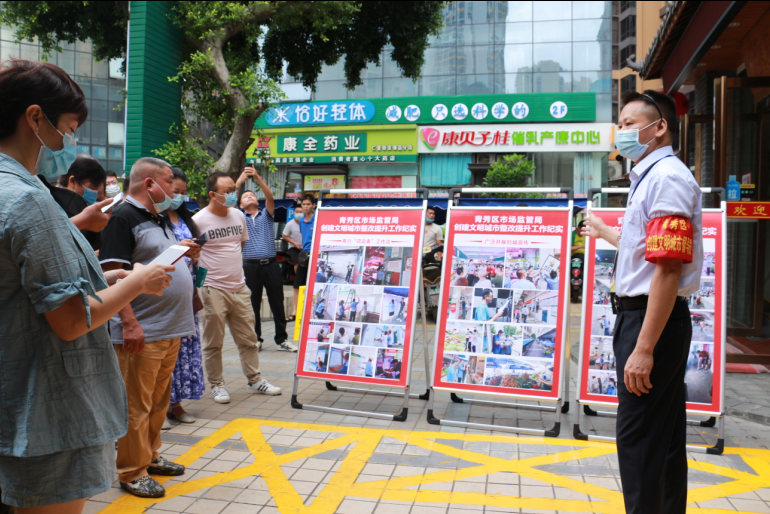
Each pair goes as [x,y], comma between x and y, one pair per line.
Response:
[573,137]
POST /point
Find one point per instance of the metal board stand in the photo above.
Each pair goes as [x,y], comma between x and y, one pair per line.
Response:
[401,416]
[712,421]
[560,406]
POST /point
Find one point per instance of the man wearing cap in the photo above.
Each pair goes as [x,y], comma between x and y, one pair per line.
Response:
[660,253]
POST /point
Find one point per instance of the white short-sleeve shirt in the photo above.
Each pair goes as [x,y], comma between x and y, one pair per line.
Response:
[668,189]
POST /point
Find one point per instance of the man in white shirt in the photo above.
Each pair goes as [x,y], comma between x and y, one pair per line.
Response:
[433,234]
[660,254]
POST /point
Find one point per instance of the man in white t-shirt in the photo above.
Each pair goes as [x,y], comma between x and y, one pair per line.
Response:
[226,299]
[433,234]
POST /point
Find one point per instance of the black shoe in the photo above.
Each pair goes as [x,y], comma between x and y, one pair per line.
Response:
[144,487]
[166,468]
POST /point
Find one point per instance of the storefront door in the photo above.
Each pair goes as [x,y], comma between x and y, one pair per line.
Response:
[742,148]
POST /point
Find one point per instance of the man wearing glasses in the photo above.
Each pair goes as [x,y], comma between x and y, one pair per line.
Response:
[226,299]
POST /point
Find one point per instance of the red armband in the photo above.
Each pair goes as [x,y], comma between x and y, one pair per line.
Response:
[669,236]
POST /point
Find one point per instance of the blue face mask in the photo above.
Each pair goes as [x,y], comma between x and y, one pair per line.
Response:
[298,216]
[89,195]
[428,220]
[231,199]
[52,165]
[177,201]
[162,206]
[628,145]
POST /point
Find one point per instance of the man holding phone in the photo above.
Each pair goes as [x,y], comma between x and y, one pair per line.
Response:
[146,333]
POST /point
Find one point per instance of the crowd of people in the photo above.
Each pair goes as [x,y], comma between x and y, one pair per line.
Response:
[98,344]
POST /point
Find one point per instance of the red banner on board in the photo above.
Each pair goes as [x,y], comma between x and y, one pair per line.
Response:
[501,327]
[358,320]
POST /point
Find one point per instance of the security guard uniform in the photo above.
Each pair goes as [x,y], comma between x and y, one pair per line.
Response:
[663,219]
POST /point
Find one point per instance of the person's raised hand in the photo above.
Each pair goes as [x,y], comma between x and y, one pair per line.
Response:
[153,277]
[92,218]
[195,248]
[594,226]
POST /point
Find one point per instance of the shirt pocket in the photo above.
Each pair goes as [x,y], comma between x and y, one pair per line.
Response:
[83,362]
[633,231]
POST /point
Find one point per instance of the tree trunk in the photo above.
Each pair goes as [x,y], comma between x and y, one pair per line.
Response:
[237,144]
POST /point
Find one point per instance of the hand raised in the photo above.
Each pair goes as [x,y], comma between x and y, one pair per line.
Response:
[92,218]
[594,226]
[154,277]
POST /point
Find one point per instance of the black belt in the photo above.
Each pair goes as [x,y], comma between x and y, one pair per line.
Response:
[630,303]
[261,262]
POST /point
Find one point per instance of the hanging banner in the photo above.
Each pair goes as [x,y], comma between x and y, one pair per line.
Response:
[705,367]
[362,293]
[501,324]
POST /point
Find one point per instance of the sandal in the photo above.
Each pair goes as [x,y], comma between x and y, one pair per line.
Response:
[291,318]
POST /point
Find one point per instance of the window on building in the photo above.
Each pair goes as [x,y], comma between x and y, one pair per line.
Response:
[627,84]
[628,27]
[624,6]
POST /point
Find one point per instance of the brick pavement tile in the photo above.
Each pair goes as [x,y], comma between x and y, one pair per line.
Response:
[749,505]
[109,496]
[254,497]
[93,507]
[379,469]
[239,508]
[309,475]
[389,508]
[504,477]
[423,509]
[178,504]
[356,507]
[719,503]
[203,506]
[470,487]
[199,463]
[304,487]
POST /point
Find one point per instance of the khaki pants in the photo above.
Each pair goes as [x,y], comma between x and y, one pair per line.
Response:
[148,383]
[235,309]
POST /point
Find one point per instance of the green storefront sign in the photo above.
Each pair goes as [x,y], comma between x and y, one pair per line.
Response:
[435,110]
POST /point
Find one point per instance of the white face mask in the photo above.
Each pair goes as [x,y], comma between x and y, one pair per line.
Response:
[112,190]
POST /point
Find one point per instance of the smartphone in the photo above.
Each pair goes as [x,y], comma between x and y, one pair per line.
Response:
[171,255]
[115,201]
[202,240]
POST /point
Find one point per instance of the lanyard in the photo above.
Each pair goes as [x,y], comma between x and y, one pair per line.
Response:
[644,175]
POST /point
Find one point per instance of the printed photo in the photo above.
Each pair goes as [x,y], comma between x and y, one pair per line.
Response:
[506,339]
[536,306]
[532,268]
[395,302]
[709,263]
[339,360]
[699,376]
[703,299]
[601,355]
[519,373]
[465,337]
[455,368]
[476,365]
[478,267]
[389,363]
[359,303]
[324,298]
[320,332]
[702,326]
[538,341]
[492,305]
[316,356]
[348,333]
[384,336]
[603,322]
[398,266]
[460,303]
[339,264]
[602,382]
[363,361]
[374,266]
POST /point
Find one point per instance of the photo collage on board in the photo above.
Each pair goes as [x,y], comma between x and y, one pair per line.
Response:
[501,317]
[602,369]
[699,376]
[359,310]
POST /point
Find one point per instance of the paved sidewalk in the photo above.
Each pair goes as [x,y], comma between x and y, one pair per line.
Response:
[259,455]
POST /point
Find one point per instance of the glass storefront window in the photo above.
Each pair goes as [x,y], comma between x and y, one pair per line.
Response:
[552,31]
[552,82]
[399,87]
[116,89]
[100,89]
[582,10]
[100,152]
[546,11]
[331,90]
[99,132]
[438,61]
[371,88]
[603,108]
[30,52]
[475,34]
[592,56]
[509,33]
[115,152]
[516,59]
[514,11]
[477,59]
[102,69]
[83,64]
[98,110]
[85,85]
[475,85]
[84,132]
[592,30]
[8,49]
[592,81]
[335,72]
[66,61]
[552,57]
[436,86]
[475,12]
[448,37]
[513,83]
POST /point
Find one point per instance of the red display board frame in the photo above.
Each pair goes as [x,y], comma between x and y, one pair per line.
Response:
[375,233]
[714,237]
[484,231]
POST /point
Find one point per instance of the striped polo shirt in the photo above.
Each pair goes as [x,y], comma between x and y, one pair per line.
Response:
[261,243]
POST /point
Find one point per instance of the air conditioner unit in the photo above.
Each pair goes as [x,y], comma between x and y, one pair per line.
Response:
[486,158]
[615,170]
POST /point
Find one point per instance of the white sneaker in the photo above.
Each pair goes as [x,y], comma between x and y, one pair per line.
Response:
[166,424]
[220,394]
[286,346]
[264,387]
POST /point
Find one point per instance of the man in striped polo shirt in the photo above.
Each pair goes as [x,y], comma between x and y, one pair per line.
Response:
[260,264]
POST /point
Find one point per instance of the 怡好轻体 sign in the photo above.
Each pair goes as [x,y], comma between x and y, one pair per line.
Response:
[573,137]
[501,328]
[359,313]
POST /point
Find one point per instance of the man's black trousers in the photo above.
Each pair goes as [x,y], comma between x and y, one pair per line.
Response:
[651,428]
[269,277]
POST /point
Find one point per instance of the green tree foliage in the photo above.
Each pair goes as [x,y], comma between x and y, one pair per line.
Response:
[510,171]
[235,52]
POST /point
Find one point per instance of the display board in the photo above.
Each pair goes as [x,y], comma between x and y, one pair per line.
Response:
[705,365]
[501,325]
[362,289]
